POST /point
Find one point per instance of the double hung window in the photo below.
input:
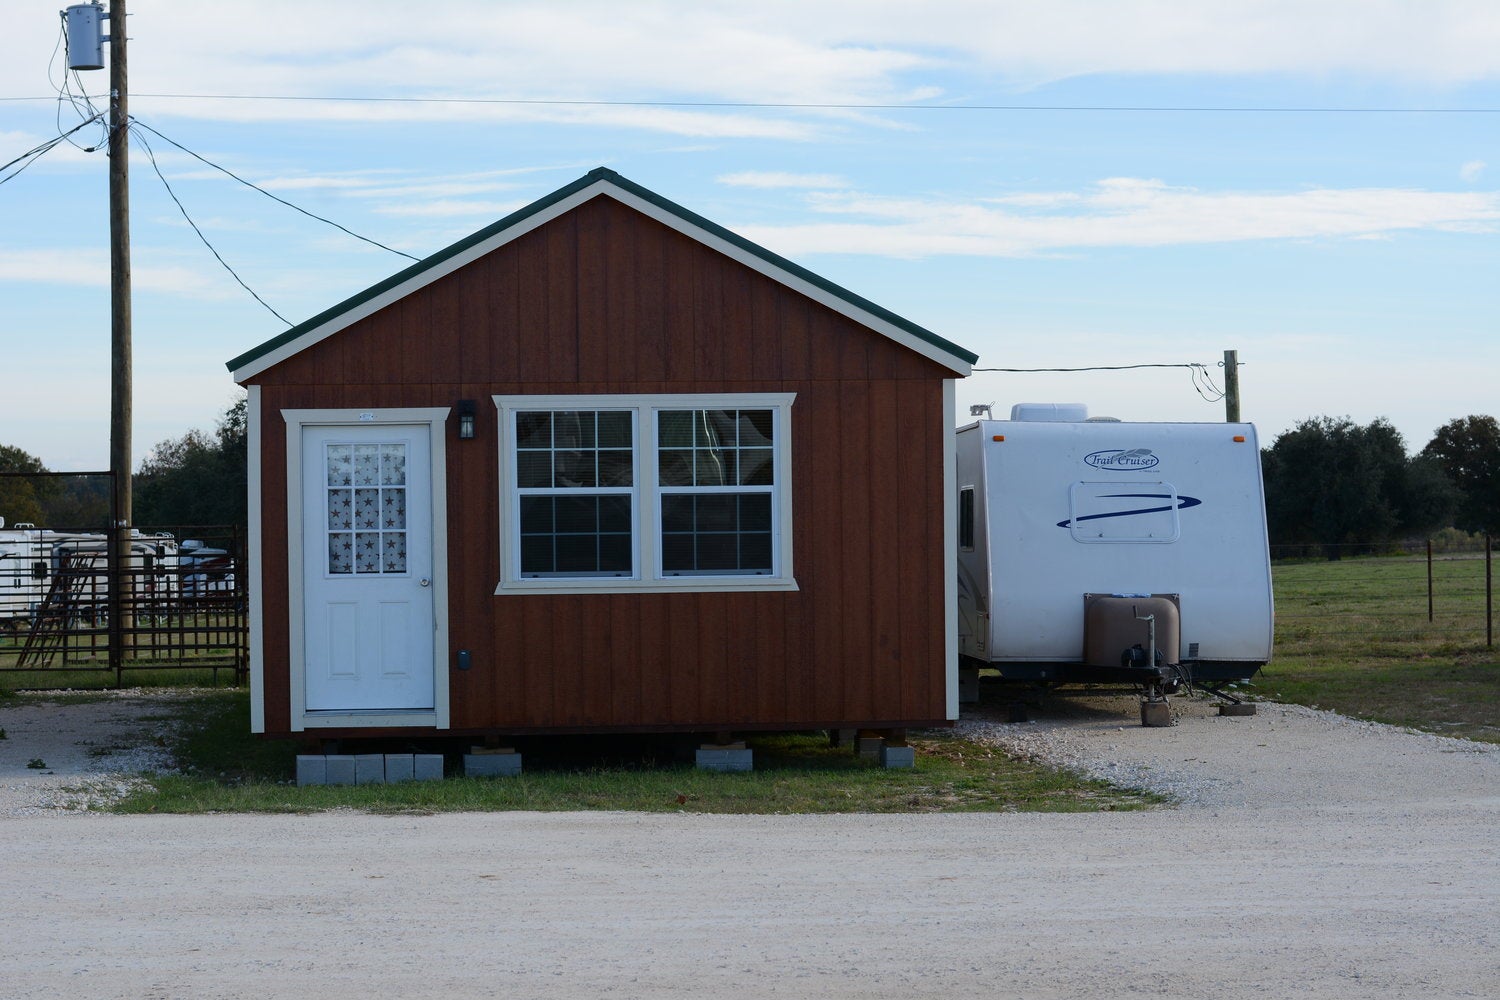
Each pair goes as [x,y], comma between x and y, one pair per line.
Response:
[663,492]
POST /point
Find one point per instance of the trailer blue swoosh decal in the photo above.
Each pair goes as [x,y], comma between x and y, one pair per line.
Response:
[1183,503]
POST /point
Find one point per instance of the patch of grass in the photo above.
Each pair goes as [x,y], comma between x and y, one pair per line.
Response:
[1454,696]
[1353,636]
[102,679]
[228,770]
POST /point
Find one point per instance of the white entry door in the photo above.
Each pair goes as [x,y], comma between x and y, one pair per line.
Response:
[367,539]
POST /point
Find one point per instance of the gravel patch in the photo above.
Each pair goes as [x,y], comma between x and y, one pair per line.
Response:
[1283,756]
[92,748]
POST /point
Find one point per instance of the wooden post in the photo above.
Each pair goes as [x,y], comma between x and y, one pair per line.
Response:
[1429,581]
[1232,386]
[121,399]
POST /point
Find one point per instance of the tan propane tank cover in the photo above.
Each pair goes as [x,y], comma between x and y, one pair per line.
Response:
[1111,625]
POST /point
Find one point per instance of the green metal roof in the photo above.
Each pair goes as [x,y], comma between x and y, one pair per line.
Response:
[541,205]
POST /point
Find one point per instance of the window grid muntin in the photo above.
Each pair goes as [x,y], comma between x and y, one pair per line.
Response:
[753,545]
[564,454]
[697,450]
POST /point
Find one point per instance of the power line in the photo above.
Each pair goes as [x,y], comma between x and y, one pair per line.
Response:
[815,106]
[1202,383]
[229,173]
[1091,368]
[152,157]
[37,152]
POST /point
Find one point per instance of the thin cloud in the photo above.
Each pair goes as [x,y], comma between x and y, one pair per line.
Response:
[775,179]
[1470,171]
[90,269]
[1120,212]
[453,207]
[738,124]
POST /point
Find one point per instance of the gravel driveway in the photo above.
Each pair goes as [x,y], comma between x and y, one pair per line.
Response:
[1312,857]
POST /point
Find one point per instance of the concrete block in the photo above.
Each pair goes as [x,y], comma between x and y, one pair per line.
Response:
[492,765]
[312,769]
[1242,709]
[340,769]
[369,769]
[398,767]
[868,747]
[427,766]
[730,758]
[898,757]
[1156,713]
[968,686]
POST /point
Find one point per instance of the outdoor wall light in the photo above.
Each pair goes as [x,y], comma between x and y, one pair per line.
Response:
[465,419]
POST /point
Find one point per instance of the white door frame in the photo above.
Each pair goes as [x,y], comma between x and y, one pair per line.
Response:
[435,419]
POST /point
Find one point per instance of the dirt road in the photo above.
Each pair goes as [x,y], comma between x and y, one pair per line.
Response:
[1386,894]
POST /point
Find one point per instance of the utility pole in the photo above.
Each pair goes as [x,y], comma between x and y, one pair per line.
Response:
[121,401]
[1232,386]
[121,366]
[85,52]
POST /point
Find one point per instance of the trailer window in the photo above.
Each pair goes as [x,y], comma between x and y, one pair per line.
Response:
[966,519]
[666,492]
[1124,512]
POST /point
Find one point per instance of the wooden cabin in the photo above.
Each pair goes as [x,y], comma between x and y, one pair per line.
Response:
[602,466]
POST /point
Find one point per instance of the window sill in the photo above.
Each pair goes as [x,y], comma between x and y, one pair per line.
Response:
[613,585]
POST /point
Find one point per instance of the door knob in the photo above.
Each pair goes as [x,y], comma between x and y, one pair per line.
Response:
[424,582]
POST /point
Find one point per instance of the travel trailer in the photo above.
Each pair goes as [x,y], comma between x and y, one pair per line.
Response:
[40,567]
[1096,550]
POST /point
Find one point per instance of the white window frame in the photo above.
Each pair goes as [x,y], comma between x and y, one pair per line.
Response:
[646,512]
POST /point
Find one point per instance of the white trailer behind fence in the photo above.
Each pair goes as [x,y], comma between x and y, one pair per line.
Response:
[46,571]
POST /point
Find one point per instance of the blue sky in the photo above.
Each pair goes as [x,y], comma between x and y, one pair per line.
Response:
[1351,258]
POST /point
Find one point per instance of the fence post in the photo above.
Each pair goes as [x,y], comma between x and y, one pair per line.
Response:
[115,574]
[1429,581]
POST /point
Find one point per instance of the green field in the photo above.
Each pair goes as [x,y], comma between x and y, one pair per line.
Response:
[1353,636]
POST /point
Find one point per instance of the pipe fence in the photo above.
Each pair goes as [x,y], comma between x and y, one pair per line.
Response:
[76,601]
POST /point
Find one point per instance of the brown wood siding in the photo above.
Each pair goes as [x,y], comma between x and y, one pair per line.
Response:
[604,300]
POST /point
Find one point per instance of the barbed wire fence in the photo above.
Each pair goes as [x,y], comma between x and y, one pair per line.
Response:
[1418,597]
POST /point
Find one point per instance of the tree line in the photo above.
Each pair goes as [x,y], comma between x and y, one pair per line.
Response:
[196,480]
[1330,483]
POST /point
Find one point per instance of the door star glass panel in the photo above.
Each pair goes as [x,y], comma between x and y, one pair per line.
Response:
[365,496]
